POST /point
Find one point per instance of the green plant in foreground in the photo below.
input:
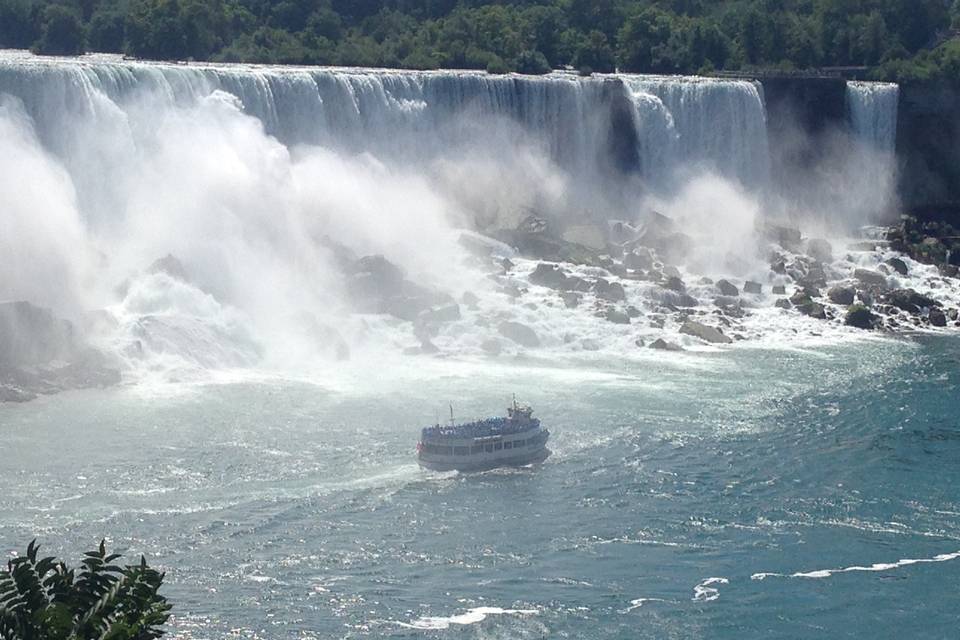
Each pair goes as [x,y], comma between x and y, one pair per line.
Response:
[42,599]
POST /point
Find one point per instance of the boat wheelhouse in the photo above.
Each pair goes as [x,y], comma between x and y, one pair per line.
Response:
[513,441]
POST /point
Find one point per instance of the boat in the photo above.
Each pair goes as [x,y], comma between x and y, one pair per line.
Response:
[514,441]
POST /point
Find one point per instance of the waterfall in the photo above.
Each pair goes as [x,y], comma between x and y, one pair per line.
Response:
[400,113]
[681,122]
[268,184]
[699,123]
[872,108]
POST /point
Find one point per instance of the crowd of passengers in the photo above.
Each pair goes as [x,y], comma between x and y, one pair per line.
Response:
[481,428]
[489,447]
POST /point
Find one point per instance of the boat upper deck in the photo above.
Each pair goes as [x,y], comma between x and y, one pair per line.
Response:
[479,429]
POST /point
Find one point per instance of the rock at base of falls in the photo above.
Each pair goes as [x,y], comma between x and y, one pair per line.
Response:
[704,332]
[41,354]
[519,333]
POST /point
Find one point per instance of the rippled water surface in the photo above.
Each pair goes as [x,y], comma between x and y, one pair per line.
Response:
[751,493]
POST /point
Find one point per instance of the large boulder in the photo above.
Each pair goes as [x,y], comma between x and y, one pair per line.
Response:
[519,333]
[814,276]
[727,288]
[588,235]
[376,285]
[704,332]
[383,272]
[535,237]
[898,265]
[439,315]
[549,275]
[909,300]
[570,299]
[662,345]
[751,287]
[616,316]
[860,317]
[640,259]
[31,335]
[674,283]
[805,305]
[610,291]
[404,307]
[660,233]
[814,310]
[937,317]
[870,278]
[171,266]
[41,353]
[787,237]
[842,295]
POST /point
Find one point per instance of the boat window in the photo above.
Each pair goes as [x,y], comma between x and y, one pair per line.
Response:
[508,445]
[461,451]
[477,448]
[489,448]
[448,451]
[519,443]
[498,446]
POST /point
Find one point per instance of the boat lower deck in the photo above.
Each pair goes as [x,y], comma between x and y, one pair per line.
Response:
[486,463]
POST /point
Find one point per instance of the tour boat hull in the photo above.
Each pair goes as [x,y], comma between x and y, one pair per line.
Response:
[472,466]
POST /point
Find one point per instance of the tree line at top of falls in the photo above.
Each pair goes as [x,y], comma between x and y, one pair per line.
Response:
[904,40]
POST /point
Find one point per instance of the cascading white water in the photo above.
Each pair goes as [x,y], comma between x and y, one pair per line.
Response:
[689,124]
[872,108]
[247,173]
[866,171]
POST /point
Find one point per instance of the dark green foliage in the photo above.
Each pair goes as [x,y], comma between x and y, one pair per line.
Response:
[905,40]
[497,66]
[61,32]
[41,599]
[107,30]
[532,62]
[595,52]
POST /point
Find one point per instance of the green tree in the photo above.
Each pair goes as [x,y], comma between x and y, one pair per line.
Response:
[640,35]
[107,30]
[532,62]
[544,27]
[155,30]
[62,32]
[42,599]
[18,25]
[595,53]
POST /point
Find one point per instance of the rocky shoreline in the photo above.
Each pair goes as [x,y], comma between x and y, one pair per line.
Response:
[861,286]
[586,288]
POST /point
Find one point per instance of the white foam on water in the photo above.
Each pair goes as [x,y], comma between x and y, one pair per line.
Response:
[706,592]
[471,616]
[639,602]
[878,566]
